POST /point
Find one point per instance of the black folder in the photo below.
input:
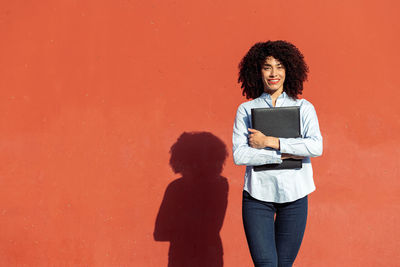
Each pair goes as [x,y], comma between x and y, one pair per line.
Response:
[278,122]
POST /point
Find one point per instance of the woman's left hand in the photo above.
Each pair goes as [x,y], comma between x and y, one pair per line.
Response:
[258,140]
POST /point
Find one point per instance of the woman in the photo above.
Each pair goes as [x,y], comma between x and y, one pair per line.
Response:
[275,201]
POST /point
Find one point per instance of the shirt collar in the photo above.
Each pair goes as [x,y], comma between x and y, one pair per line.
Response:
[268,96]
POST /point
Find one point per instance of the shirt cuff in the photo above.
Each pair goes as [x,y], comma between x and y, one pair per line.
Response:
[275,158]
[285,147]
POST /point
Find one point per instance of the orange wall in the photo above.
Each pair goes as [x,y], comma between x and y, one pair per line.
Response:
[93,94]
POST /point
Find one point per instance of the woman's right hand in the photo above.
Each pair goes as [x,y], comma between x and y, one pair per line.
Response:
[290,156]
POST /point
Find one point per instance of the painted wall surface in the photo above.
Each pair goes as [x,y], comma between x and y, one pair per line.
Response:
[95,94]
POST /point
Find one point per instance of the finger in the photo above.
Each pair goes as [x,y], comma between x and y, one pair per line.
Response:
[252,130]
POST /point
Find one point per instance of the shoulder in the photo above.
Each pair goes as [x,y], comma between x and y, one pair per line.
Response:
[306,107]
[307,110]
[176,185]
[248,105]
[305,104]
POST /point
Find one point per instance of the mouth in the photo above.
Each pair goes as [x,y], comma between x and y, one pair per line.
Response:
[273,81]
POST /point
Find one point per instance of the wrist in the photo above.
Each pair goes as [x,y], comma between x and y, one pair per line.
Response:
[266,142]
[272,142]
[275,143]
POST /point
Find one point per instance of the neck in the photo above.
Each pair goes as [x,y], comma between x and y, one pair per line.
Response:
[274,95]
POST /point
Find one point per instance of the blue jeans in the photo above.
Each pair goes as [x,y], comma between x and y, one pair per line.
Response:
[274,242]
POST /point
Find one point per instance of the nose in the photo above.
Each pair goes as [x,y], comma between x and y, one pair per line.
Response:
[273,72]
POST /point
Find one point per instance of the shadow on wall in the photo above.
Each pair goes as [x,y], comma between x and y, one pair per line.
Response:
[193,209]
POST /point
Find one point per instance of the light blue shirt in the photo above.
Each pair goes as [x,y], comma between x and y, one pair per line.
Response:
[277,185]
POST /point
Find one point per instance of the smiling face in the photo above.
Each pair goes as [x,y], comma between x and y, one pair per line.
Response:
[273,75]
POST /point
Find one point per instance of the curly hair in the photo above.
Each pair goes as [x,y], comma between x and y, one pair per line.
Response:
[287,54]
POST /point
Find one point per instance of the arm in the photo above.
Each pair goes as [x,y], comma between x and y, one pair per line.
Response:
[243,154]
[310,145]
[258,140]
